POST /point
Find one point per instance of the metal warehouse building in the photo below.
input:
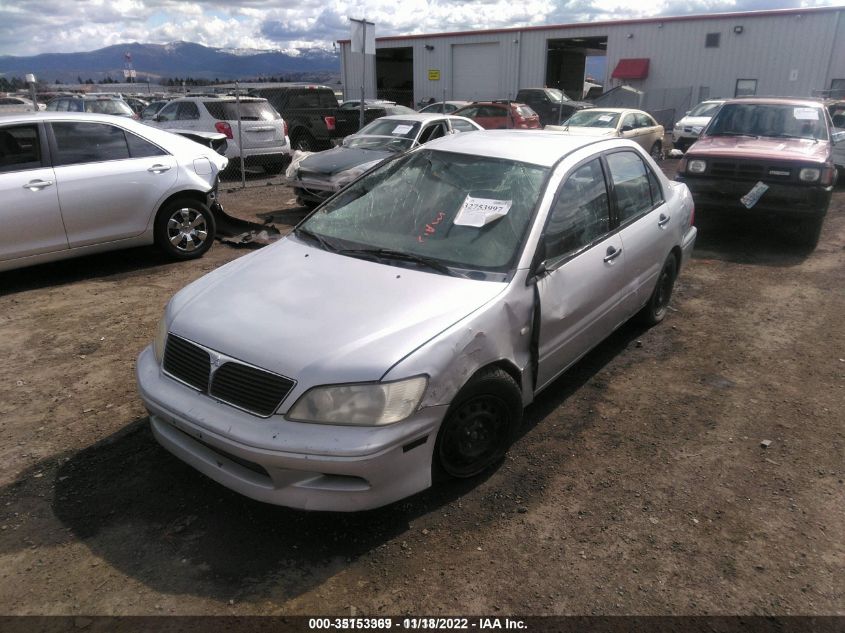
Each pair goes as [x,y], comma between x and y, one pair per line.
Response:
[674,61]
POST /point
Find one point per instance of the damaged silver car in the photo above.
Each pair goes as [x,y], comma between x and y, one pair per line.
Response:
[395,336]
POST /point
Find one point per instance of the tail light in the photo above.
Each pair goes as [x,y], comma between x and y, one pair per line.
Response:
[286,127]
[224,128]
[330,122]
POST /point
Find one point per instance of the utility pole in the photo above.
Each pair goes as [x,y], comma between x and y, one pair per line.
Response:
[367,47]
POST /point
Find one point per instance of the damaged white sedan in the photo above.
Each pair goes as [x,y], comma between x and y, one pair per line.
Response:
[395,337]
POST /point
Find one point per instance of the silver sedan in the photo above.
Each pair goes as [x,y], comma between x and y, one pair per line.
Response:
[75,184]
[395,337]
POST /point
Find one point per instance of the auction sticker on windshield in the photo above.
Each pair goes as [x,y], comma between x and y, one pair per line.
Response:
[402,129]
[478,212]
[606,117]
[806,114]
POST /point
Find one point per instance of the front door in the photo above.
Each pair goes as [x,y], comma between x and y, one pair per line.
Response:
[581,296]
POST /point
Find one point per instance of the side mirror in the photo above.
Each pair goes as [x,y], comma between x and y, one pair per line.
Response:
[627,128]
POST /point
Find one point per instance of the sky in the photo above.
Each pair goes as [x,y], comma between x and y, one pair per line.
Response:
[31,27]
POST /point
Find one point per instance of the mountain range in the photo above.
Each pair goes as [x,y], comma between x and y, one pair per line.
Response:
[177,59]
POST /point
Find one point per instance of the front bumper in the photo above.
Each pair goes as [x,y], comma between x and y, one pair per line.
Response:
[294,464]
[783,199]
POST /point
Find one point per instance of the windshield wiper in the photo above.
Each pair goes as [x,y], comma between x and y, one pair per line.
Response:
[733,134]
[780,135]
[387,253]
[323,242]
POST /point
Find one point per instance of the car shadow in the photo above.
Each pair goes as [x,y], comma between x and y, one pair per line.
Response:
[158,520]
[748,238]
[76,269]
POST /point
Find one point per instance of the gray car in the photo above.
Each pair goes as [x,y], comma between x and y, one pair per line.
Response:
[75,184]
[316,176]
[394,338]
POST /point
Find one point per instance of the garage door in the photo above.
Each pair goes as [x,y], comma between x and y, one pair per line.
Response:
[475,71]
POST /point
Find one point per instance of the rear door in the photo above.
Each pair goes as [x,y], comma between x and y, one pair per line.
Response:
[110,181]
[261,126]
[581,297]
[30,220]
[647,226]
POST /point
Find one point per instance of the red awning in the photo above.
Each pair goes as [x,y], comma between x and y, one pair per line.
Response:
[631,69]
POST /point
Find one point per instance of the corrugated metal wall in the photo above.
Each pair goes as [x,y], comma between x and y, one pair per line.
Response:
[789,54]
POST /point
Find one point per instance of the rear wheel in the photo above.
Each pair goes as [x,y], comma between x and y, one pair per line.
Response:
[184,229]
[657,152]
[479,426]
[304,142]
[655,310]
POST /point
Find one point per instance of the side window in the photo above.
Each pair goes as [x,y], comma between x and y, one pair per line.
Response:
[188,110]
[432,132]
[168,112]
[19,148]
[628,122]
[141,148]
[79,142]
[631,185]
[581,213]
[463,126]
[470,113]
[644,121]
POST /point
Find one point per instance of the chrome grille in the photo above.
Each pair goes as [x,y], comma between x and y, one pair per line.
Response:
[249,388]
[188,362]
[750,171]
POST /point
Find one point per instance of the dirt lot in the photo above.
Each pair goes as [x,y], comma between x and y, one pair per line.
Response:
[639,485]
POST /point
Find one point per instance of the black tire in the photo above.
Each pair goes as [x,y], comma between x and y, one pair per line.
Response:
[304,142]
[656,152]
[184,229]
[658,303]
[478,427]
[809,231]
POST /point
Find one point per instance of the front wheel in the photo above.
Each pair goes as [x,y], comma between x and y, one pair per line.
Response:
[184,229]
[655,310]
[478,428]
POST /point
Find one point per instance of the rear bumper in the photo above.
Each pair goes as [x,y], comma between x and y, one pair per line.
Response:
[782,199]
[688,244]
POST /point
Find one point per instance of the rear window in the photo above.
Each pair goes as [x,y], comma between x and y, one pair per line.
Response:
[108,106]
[312,99]
[250,110]
[525,111]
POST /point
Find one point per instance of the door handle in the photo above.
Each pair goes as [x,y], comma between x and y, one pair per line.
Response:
[612,253]
[159,169]
[663,220]
[37,185]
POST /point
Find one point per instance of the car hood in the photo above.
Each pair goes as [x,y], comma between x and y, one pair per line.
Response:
[339,159]
[318,317]
[693,121]
[768,148]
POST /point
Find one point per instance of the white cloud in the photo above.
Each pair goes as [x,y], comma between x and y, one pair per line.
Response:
[59,26]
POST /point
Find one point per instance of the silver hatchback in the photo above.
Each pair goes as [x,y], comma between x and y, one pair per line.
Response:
[395,337]
[76,184]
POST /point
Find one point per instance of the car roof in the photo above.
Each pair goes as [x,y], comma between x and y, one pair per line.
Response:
[416,116]
[220,99]
[616,110]
[528,146]
[793,101]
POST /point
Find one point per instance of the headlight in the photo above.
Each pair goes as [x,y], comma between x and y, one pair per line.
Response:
[298,157]
[696,166]
[370,404]
[809,174]
[348,175]
[160,340]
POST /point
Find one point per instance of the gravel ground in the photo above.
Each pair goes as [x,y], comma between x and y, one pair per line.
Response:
[639,484]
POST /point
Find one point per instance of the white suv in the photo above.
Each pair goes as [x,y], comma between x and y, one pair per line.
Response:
[263,131]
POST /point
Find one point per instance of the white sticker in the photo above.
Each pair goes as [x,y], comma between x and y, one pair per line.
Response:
[606,117]
[481,211]
[806,114]
[753,196]
[402,129]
